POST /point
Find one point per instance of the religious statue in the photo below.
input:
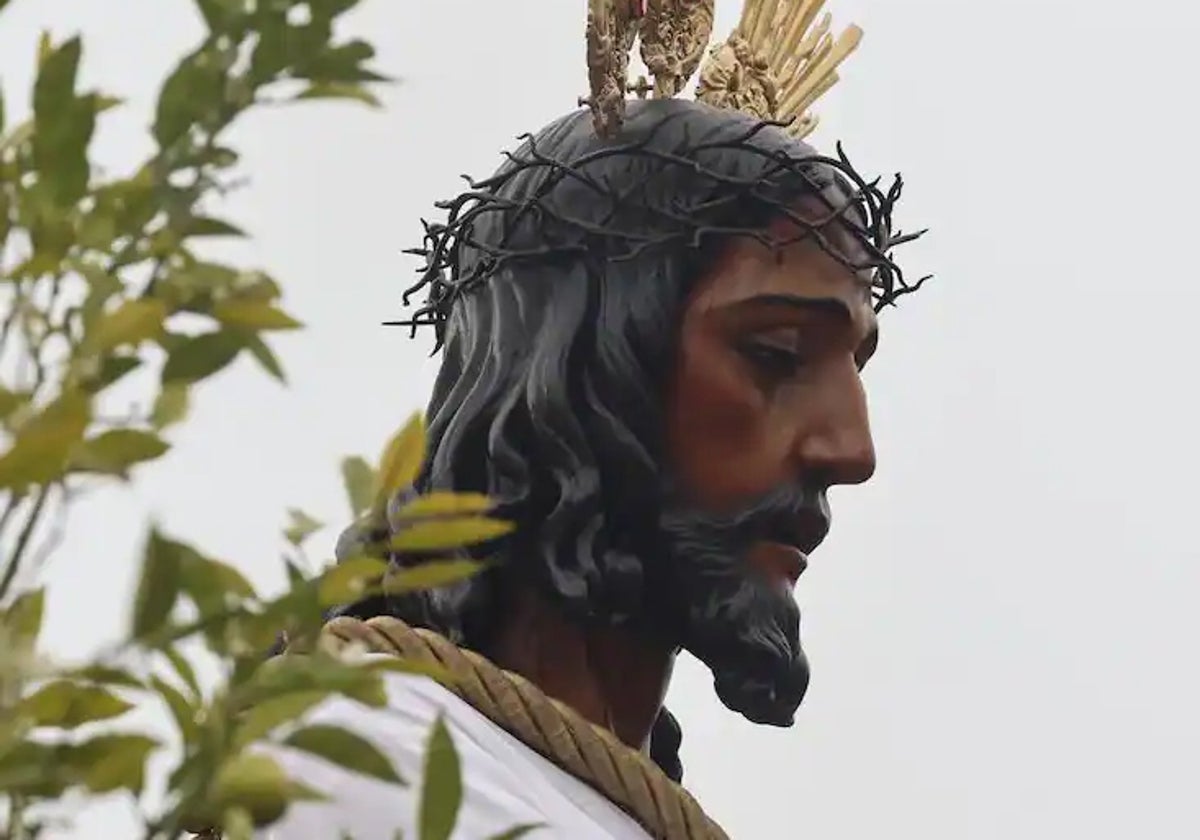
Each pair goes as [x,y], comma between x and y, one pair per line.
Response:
[652,322]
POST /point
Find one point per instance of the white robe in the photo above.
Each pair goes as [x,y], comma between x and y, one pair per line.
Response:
[505,783]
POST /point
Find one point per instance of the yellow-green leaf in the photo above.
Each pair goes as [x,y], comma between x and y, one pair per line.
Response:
[254,315]
[340,90]
[183,669]
[263,354]
[106,675]
[170,406]
[349,581]
[287,674]
[442,503]
[66,705]
[108,762]
[212,584]
[23,619]
[180,707]
[429,575]
[205,226]
[41,449]
[401,462]
[300,527]
[358,478]
[441,789]
[132,322]
[345,749]
[445,534]
[45,47]
[10,401]
[261,720]
[199,357]
[159,584]
[517,831]
[114,452]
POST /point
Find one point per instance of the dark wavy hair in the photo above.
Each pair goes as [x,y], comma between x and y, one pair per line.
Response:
[555,289]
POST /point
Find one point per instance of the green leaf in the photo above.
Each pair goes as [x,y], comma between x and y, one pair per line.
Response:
[29,768]
[339,90]
[106,675]
[23,619]
[401,461]
[219,15]
[517,831]
[269,715]
[114,452]
[170,406]
[133,322]
[300,527]
[112,370]
[183,712]
[345,749]
[351,580]
[288,674]
[263,355]
[41,449]
[64,124]
[205,226]
[441,503]
[67,705]
[212,584]
[45,47]
[429,575]
[341,63]
[10,401]
[358,478]
[159,584]
[108,762]
[441,790]
[445,534]
[199,357]
[183,669]
[192,93]
[254,315]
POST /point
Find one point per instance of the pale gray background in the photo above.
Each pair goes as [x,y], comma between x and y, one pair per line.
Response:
[1002,625]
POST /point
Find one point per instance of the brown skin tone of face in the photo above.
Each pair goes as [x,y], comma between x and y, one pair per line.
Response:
[766,392]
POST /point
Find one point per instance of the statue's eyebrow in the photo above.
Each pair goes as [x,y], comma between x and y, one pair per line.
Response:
[803,303]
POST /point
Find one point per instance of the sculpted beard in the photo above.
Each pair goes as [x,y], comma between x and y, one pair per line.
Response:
[743,627]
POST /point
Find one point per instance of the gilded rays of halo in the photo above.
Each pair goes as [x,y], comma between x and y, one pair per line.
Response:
[778,61]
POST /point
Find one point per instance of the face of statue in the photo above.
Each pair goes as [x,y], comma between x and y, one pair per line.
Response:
[765,411]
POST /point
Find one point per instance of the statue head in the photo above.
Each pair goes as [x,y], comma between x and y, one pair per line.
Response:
[651,348]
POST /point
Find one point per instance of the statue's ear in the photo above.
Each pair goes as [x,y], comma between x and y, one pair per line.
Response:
[665,739]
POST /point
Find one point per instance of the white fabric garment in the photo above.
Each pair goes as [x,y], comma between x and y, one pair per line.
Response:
[505,783]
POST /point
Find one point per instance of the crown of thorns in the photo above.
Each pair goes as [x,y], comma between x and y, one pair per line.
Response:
[854,205]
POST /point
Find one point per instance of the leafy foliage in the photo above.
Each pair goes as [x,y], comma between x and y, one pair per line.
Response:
[102,276]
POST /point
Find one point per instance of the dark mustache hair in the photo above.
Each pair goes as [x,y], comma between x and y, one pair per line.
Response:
[796,513]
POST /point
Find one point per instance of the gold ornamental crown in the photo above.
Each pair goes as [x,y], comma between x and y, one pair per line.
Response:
[777,62]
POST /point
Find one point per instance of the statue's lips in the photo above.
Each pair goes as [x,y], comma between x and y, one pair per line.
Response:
[780,563]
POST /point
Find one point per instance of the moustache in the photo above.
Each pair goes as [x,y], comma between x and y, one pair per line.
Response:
[795,514]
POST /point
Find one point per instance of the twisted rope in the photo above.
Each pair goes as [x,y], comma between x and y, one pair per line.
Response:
[588,752]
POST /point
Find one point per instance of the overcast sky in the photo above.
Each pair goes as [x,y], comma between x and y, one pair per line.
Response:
[1002,624]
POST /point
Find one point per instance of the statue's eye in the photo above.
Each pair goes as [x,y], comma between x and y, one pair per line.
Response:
[771,360]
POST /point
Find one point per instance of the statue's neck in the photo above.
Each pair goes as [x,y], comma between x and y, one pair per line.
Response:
[611,676]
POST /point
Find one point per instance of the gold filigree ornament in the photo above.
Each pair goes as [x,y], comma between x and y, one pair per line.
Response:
[775,65]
